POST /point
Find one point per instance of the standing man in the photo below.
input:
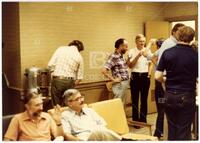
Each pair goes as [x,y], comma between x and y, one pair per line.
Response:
[140,79]
[181,65]
[33,124]
[67,66]
[119,69]
[168,43]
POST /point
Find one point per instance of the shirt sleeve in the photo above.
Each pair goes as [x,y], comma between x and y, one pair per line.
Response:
[12,132]
[80,69]
[162,63]
[65,124]
[110,63]
[53,59]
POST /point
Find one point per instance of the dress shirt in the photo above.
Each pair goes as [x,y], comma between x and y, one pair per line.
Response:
[67,62]
[81,125]
[118,66]
[142,64]
[23,128]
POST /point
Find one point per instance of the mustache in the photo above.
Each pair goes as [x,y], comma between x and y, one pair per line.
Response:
[81,103]
[37,113]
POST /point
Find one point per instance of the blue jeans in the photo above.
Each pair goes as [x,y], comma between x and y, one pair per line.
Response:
[180,111]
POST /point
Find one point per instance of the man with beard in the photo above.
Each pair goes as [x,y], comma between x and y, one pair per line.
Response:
[83,123]
[119,69]
[32,124]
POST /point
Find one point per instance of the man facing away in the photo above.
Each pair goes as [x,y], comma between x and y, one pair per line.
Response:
[67,66]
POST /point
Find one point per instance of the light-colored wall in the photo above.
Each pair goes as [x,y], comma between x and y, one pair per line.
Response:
[46,26]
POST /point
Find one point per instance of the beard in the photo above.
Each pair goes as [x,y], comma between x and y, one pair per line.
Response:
[37,113]
[123,51]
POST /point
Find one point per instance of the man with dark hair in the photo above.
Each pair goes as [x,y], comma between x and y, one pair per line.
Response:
[181,65]
[119,70]
[67,66]
[33,124]
[168,43]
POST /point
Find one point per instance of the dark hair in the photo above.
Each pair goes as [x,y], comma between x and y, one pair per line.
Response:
[119,42]
[29,96]
[186,34]
[78,44]
[159,42]
[176,27]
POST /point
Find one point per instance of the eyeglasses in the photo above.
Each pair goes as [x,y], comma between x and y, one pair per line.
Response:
[77,99]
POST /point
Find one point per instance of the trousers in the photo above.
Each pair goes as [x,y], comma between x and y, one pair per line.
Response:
[159,97]
[58,87]
[180,111]
[139,84]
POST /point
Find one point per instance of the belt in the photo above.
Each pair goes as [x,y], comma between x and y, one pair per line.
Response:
[62,77]
[140,73]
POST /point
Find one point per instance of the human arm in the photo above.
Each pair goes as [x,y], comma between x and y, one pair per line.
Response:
[79,72]
[159,76]
[52,62]
[106,73]
[131,63]
[150,68]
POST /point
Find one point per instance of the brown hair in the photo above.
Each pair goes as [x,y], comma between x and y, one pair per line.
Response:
[176,27]
[78,44]
[185,34]
[29,96]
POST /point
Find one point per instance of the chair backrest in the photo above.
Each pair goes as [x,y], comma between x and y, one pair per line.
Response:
[6,122]
[113,113]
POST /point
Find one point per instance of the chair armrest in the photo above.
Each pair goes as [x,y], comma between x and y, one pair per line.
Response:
[141,124]
[139,137]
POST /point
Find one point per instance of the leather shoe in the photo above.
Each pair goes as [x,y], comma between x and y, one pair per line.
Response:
[137,127]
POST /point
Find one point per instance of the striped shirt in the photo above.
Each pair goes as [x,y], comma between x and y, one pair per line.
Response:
[118,66]
[67,62]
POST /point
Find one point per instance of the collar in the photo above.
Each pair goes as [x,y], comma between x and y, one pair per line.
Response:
[118,54]
[173,39]
[25,116]
[83,112]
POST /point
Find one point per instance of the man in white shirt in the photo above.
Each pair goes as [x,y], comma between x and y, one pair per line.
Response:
[140,79]
[67,66]
[83,123]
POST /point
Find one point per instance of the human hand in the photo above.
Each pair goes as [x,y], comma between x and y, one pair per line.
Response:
[116,80]
[57,114]
[153,40]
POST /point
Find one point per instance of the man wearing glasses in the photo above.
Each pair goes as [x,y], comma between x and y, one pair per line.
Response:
[83,123]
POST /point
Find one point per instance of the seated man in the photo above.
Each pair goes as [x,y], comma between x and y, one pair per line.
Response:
[82,123]
[33,124]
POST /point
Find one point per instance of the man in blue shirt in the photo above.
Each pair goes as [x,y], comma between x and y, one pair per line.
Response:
[181,65]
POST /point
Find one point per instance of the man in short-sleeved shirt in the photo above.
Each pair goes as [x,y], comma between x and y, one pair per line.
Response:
[23,128]
[119,69]
[33,124]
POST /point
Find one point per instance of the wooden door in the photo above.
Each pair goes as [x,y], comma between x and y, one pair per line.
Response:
[155,29]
